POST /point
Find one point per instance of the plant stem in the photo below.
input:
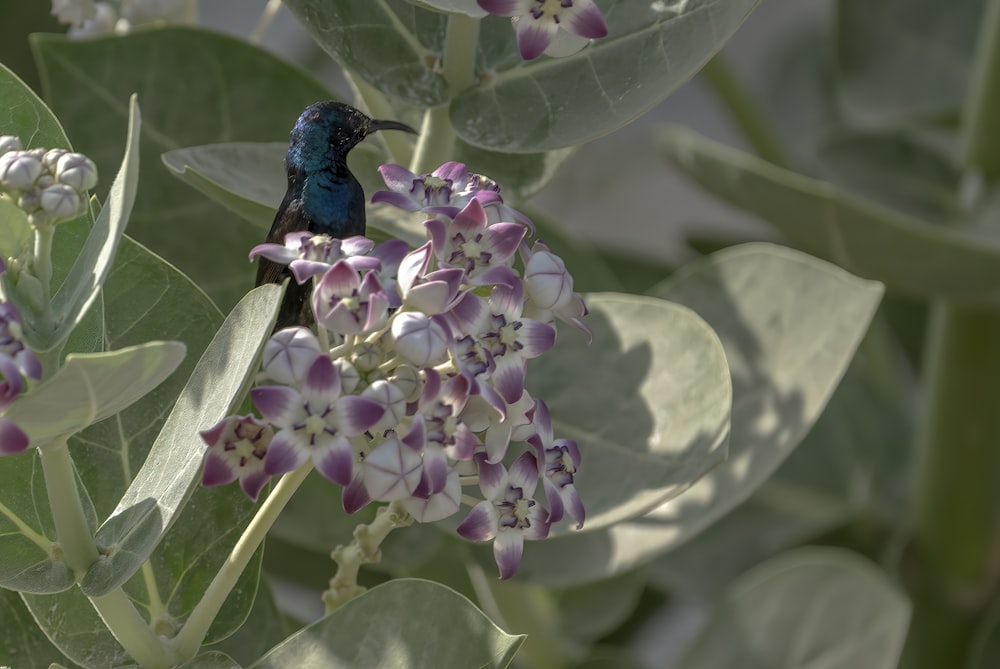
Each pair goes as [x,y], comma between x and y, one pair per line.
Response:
[436,141]
[459,59]
[189,639]
[264,22]
[80,552]
[958,479]
[745,112]
[378,107]
[72,530]
[980,133]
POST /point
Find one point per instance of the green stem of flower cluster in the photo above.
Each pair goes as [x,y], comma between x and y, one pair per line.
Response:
[745,111]
[980,132]
[458,67]
[364,549]
[189,639]
[80,552]
[957,514]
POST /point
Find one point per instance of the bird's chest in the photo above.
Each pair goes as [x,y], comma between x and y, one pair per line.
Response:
[335,206]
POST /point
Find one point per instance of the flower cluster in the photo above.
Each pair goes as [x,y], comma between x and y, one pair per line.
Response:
[49,185]
[537,23]
[413,385]
[89,18]
[17,364]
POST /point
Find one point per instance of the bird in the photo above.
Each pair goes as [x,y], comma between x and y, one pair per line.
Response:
[322,196]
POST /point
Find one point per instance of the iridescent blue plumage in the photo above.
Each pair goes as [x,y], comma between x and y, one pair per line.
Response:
[322,195]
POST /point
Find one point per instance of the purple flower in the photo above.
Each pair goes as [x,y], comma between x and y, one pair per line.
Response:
[484,251]
[236,450]
[445,191]
[392,471]
[315,423]
[308,255]
[347,304]
[17,361]
[559,460]
[539,20]
[508,515]
[431,293]
[438,506]
[13,440]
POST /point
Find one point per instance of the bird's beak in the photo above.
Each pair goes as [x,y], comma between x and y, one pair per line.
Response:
[376,124]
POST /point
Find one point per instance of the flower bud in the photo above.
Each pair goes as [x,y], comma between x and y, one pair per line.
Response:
[419,339]
[390,397]
[547,282]
[349,376]
[392,471]
[289,353]
[30,200]
[77,171]
[10,143]
[367,356]
[407,379]
[19,170]
[61,201]
[51,158]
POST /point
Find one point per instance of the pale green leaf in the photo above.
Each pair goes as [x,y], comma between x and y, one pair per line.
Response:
[23,644]
[647,402]
[92,265]
[467,7]
[25,115]
[899,59]
[910,256]
[72,624]
[198,87]
[89,387]
[211,660]
[405,624]
[790,325]
[549,103]
[824,608]
[160,488]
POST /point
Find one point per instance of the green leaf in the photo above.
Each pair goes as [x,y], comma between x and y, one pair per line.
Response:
[391,44]
[266,627]
[811,607]
[92,265]
[247,178]
[405,623]
[15,233]
[789,325]
[159,489]
[201,87]
[211,660]
[910,256]
[851,465]
[467,7]
[985,652]
[71,623]
[900,59]
[25,115]
[90,387]
[549,103]
[647,402]
[24,646]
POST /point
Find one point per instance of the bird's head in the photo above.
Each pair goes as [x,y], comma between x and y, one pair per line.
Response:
[334,128]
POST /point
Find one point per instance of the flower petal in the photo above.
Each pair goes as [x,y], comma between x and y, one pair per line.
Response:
[534,36]
[334,459]
[523,473]
[439,506]
[354,415]
[279,405]
[286,452]
[584,19]
[507,550]
[481,523]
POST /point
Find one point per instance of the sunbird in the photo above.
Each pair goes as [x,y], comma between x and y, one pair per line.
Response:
[323,196]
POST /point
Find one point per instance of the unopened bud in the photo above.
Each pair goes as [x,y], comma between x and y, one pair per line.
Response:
[10,143]
[19,170]
[76,171]
[61,201]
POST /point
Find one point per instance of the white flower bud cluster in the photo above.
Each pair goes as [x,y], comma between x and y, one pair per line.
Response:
[49,185]
[87,18]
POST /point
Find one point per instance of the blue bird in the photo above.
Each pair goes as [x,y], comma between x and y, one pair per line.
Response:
[322,196]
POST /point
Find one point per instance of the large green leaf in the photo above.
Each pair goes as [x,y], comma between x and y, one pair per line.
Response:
[406,624]
[648,402]
[790,325]
[198,87]
[816,607]
[909,255]
[23,645]
[851,465]
[84,280]
[159,489]
[393,45]
[25,115]
[899,59]
[90,387]
[548,103]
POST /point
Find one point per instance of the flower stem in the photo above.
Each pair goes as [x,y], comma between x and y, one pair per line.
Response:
[436,142]
[744,111]
[80,552]
[193,632]
[42,262]
[264,22]
[958,474]
[980,134]
[364,549]
[72,530]
[378,107]
[459,59]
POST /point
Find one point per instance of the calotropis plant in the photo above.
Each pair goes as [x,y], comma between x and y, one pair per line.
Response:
[474,373]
